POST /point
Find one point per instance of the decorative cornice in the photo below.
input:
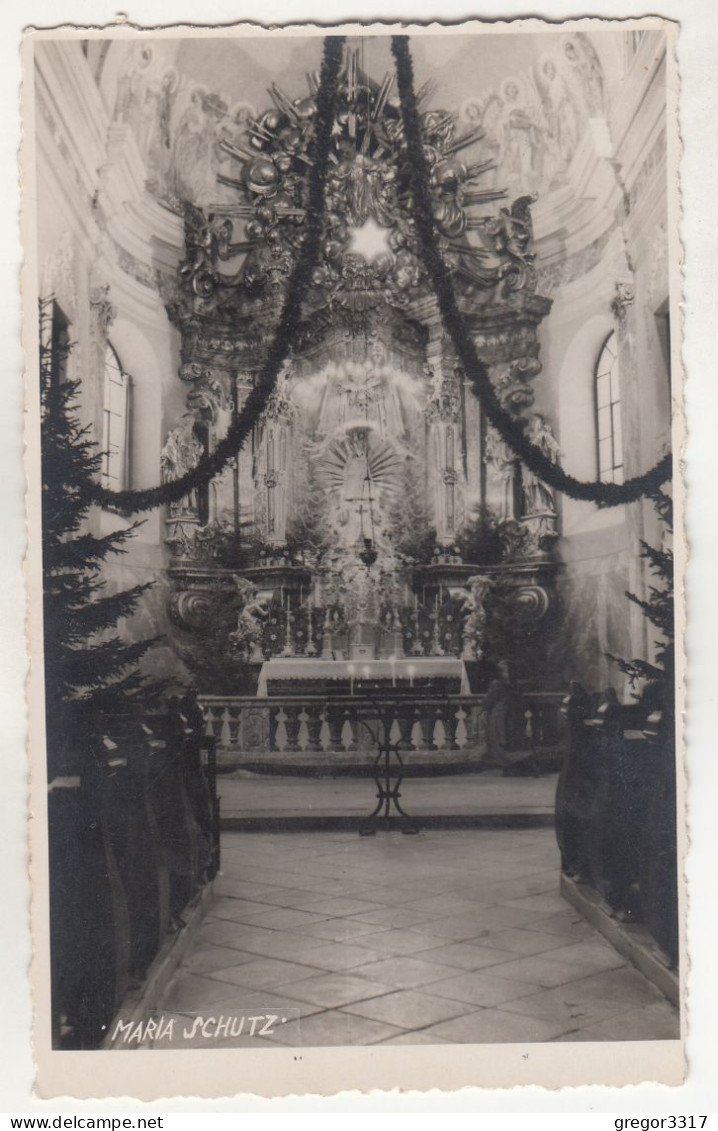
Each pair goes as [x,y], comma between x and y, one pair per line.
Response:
[559,273]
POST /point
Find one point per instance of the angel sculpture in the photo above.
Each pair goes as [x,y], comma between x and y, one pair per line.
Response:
[474,614]
[254,610]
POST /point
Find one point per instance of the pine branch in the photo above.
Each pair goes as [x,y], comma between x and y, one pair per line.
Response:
[638,669]
[660,561]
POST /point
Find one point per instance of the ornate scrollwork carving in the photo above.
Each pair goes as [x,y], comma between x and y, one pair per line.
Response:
[444,405]
[540,535]
[511,234]
[208,398]
[189,608]
[103,309]
[207,239]
[622,299]
[280,405]
[513,388]
[534,601]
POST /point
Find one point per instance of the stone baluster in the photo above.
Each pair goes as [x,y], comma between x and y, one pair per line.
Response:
[315,719]
[224,734]
[274,721]
[335,719]
[234,722]
[214,722]
[438,727]
[451,722]
[530,725]
[281,735]
[461,729]
[292,724]
[426,722]
[405,722]
[349,737]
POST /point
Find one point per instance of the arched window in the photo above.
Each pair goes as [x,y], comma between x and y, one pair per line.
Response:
[608,413]
[115,424]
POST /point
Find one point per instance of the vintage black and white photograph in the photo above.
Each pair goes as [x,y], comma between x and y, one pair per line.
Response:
[354,366]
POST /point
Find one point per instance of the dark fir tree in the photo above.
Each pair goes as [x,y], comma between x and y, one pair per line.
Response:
[413,532]
[92,679]
[658,675]
[479,541]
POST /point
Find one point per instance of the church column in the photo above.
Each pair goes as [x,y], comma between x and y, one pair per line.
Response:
[242,471]
[443,416]
[275,461]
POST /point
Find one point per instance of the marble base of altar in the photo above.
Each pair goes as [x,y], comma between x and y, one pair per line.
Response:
[432,675]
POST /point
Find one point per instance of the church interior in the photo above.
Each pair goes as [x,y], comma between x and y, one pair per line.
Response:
[375,540]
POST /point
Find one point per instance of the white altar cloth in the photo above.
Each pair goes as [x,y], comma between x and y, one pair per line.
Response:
[404,671]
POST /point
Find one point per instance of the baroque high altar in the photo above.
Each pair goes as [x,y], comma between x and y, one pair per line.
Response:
[346,521]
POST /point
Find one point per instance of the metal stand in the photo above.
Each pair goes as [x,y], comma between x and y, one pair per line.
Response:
[388,774]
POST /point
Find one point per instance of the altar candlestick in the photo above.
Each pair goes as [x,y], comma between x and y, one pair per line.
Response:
[350,669]
[411,670]
[392,660]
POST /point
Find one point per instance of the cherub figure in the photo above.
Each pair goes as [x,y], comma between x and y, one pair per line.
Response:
[254,610]
[474,614]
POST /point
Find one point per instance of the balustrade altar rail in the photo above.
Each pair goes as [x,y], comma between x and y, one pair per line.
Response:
[314,729]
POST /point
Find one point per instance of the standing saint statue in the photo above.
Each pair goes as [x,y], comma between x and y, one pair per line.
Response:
[500,462]
[538,496]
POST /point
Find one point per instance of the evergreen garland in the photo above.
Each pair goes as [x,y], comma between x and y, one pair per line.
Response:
[212,464]
[606,494]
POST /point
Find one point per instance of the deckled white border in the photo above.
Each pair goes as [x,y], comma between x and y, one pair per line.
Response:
[697,31]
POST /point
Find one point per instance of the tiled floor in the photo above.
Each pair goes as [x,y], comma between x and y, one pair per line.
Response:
[441,937]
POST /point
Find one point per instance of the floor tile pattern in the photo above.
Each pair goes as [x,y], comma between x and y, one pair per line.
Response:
[444,937]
